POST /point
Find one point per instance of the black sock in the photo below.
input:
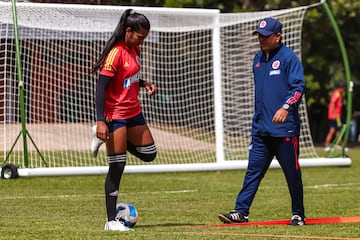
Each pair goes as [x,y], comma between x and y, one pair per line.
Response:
[112,183]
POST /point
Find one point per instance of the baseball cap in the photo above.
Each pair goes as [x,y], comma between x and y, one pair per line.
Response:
[268,26]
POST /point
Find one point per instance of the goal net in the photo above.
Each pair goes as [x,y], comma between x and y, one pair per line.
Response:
[199,59]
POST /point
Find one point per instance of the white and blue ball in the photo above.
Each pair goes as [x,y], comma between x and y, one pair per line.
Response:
[127,213]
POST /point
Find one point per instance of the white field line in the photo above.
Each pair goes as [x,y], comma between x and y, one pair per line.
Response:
[95,195]
[321,186]
[333,185]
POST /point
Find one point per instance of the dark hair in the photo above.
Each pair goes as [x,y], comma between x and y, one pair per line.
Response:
[340,85]
[129,18]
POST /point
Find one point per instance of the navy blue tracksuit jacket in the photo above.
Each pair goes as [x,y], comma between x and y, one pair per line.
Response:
[278,80]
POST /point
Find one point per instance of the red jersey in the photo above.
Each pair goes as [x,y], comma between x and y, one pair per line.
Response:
[335,105]
[121,98]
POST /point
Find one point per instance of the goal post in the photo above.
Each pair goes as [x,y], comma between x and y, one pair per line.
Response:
[199,59]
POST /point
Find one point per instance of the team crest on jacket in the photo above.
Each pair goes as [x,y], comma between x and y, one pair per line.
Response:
[276,64]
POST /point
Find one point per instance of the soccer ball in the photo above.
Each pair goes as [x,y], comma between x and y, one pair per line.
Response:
[127,212]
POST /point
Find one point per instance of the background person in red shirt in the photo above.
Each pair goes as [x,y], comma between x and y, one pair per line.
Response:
[120,121]
[334,115]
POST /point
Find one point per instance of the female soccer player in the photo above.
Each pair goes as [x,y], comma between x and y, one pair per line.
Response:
[120,122]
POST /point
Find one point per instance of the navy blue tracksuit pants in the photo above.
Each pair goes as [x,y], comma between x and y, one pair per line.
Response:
[261,152]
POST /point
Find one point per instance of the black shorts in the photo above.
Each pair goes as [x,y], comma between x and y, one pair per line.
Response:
[333,124]
[131,122]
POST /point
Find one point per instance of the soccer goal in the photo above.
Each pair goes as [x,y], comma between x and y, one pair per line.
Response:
[200,60]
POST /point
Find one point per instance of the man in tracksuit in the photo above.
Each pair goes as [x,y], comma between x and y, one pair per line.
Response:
[279,86]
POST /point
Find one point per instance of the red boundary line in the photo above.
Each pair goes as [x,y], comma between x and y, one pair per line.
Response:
[309,221]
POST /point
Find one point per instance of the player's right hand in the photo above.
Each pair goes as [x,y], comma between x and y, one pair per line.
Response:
[102,131]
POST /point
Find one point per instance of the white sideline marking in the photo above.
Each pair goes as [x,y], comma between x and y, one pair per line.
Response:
[333,185]
[47,197]
[174,191]
[95,195]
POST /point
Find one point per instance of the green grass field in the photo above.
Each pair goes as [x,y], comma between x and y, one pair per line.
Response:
[170,203]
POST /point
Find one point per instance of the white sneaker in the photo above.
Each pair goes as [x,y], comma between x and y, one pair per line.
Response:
[116,225]
[96,142]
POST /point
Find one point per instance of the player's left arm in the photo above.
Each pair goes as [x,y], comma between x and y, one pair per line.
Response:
[296,83]
[296,86]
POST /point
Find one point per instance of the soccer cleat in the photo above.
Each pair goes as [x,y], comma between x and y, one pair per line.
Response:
[116,225]
[96,142]
[296,220]
[233,217]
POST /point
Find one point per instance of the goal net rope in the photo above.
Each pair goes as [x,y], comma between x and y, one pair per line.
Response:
[199,59]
